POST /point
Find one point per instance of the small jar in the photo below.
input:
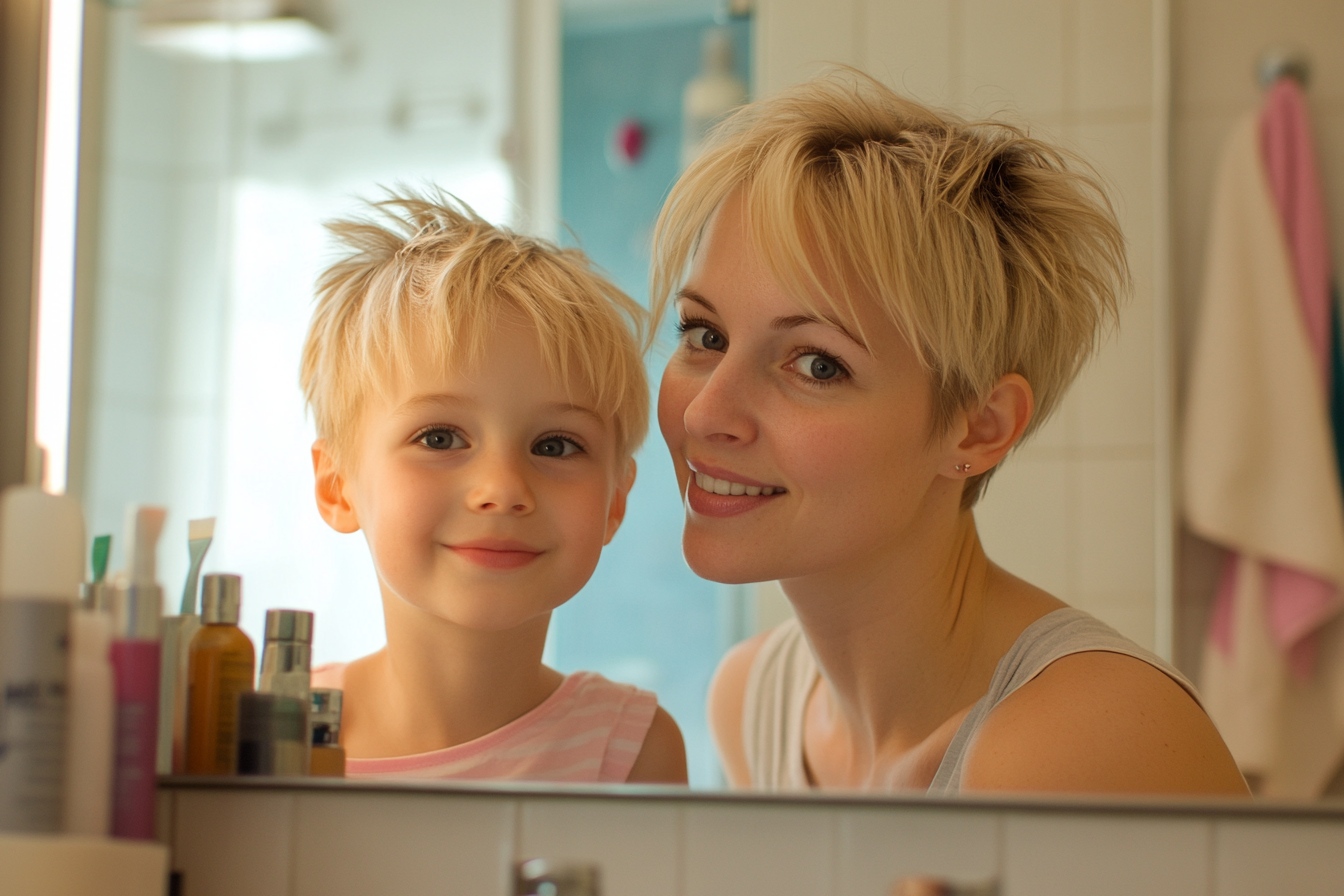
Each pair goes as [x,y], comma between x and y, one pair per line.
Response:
[328,756]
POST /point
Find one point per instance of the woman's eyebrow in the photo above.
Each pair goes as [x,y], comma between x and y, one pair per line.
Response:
[798,320]
[691,295]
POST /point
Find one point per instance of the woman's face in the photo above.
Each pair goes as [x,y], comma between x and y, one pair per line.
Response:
[799,448]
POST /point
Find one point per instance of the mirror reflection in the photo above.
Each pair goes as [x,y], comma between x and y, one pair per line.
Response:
[816,425]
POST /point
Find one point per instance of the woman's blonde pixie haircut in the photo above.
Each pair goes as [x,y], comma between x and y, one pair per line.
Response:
[425,273]
[992,252]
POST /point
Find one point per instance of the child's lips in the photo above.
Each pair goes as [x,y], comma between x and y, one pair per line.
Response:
[495,553]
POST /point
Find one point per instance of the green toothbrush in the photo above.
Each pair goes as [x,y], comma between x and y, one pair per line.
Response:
[102,546]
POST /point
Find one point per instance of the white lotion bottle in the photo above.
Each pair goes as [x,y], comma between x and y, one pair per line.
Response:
[93,721]
[41,566]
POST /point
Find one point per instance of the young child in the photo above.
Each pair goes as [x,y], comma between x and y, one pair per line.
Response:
[478,398]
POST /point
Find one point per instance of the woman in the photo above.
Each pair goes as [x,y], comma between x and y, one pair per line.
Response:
[881,302]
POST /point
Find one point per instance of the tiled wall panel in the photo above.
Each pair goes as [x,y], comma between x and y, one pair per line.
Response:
[407,844]
[1068,855]
[637,845]
[227,843]
[1258,858]
[732,850]
[875,848]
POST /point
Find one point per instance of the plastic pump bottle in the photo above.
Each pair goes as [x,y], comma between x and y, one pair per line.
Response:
[41,565]
[137,602]
[219,670]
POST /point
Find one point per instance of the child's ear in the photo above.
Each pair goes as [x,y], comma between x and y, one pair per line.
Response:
[329,486]
[616,511]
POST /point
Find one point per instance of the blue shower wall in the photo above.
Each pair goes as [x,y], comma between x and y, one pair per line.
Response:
[645,617]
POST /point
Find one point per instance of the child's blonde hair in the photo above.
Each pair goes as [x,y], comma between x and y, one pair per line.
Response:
[993,252]
[426,272]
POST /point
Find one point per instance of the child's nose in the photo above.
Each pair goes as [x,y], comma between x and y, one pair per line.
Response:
[501,487]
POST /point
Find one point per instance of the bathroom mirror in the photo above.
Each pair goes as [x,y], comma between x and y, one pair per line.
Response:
[214,156]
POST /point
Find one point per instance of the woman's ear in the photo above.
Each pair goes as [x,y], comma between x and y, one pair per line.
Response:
[616,510]
[992,430]
[330,488]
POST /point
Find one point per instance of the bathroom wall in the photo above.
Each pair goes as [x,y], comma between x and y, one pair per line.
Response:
[1082,510]
[1215,47]
[290,841]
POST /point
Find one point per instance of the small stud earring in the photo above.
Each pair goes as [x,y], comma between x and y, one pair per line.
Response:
[963,468]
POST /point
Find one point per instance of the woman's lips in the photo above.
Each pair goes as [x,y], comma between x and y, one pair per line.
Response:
[705,495]
[493,554]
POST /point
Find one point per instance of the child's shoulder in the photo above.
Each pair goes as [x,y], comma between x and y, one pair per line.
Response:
[635,719]
[330,675]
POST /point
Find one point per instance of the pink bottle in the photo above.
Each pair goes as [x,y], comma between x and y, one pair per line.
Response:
[137,602]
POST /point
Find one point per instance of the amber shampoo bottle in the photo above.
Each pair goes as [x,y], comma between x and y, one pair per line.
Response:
[219,668]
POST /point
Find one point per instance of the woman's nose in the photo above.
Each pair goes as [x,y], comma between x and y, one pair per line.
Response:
[500,486]
[723,409]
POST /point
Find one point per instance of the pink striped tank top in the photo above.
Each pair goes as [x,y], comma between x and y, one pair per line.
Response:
[590,731]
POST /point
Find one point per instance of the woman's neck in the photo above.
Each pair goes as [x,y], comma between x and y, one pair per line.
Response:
[908,640]
[437,684]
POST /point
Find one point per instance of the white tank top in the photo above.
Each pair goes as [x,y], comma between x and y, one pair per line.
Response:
[785,671]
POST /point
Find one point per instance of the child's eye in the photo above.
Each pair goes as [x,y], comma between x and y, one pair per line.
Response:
[819,367]
[698,334]
[441,439]
[556,446]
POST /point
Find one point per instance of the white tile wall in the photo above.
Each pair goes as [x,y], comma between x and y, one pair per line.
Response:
[352,844]
[734,850]
[1026,520]
[327,843]
[229,842]
[637,844]
[1068,855]
[876,847]
[1259,858]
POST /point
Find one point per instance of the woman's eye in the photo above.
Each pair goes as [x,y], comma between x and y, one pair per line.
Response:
[442,439]
[555,446]
[705,338]
[818,367]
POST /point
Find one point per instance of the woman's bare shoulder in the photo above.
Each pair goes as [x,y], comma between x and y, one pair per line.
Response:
[727,694]
[1099,722]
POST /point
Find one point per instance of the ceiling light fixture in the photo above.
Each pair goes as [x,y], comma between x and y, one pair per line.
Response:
[243,30]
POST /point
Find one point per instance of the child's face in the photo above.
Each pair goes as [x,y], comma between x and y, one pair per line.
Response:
[485,494]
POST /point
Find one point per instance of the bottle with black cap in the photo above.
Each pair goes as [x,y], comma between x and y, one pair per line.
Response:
[220,666]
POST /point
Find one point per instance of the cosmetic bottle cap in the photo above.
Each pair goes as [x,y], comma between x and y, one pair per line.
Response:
[221,597]
[289,625]
[325,717]
[41,545]
[137,599]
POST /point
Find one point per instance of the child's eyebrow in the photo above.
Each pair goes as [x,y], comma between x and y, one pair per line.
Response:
[411,405]
[576,408]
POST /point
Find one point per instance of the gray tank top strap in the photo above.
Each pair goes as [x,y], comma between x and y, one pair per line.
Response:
[781,677]
[1059,634]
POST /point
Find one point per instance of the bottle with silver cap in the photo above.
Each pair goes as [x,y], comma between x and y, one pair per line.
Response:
[219,669]
[286,662]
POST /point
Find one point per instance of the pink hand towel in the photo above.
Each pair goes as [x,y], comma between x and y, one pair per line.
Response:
[1298,602]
